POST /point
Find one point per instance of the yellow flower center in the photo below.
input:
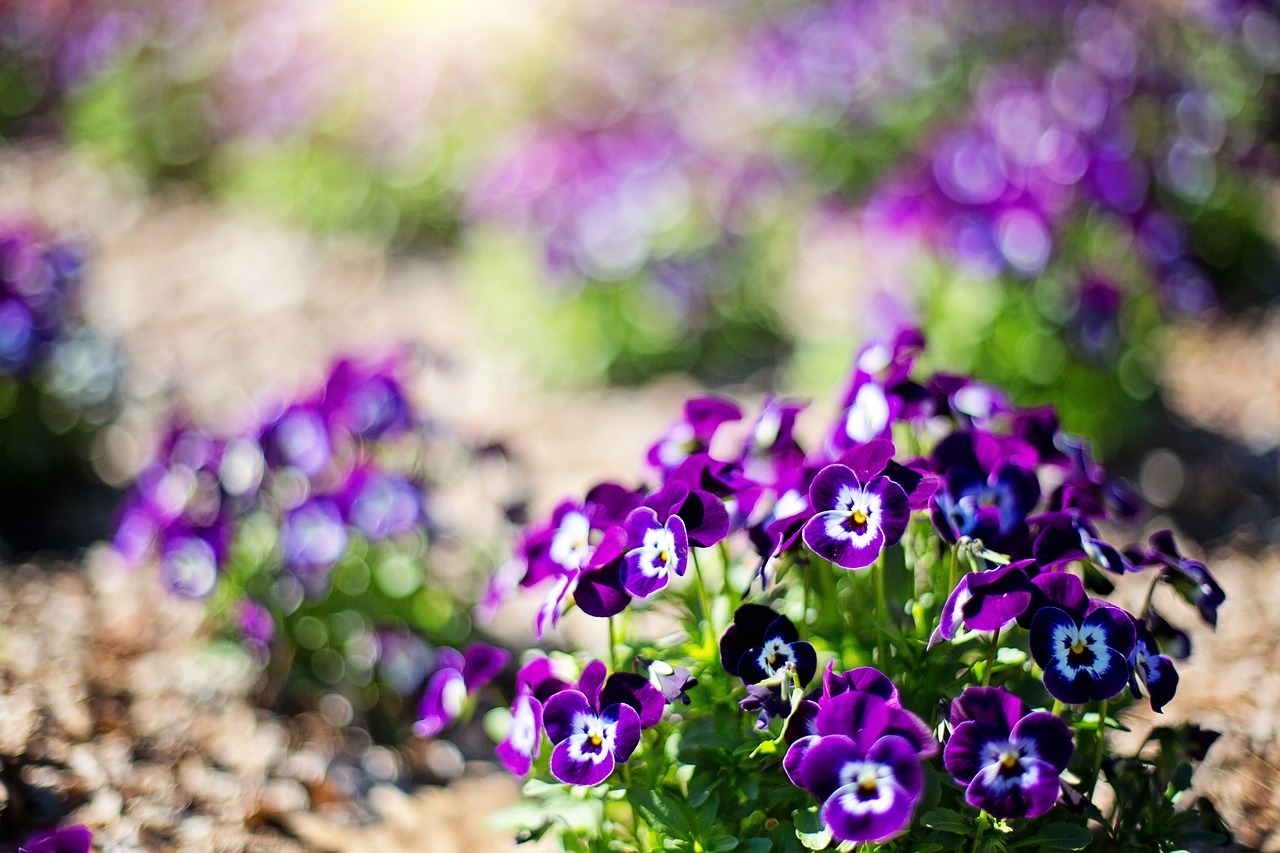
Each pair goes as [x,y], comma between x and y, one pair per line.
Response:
[1078,647]
[595,739]
[859,517]
[1009,760]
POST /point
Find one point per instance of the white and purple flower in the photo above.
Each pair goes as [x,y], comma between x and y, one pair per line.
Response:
[763,648]
[656,549]
[1084,657]
[853,521]
[868,776]
[457,678]
[1009,759]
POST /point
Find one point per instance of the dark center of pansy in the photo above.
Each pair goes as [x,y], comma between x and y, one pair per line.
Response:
[1080,655]
[595,740]
[775,655]
[662,558]
[856,521]
[868,789]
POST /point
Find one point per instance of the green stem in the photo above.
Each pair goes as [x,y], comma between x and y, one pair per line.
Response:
[613,644]
[1058,707]
[991,658]
[980,831]
[882,605]
[955,564]
[1146,601]
[707,628]
[1099,746]
[804,582]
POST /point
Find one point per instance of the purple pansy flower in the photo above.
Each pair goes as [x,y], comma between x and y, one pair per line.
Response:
[864,679]
[524,739]
[595,727]
[988,490]
[656,550]
[299,438]
[693,433]
[457,677]
[763,649]
[71,839]
[1191,579]
[852,521]
[1151,669]
[1068,535]
[1008,758]
[867,775]
[985,601]
[1083,658]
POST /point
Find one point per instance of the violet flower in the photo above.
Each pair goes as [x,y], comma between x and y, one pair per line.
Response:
[457,677]
[1009,759]
[594,728]
[764,649]
[985,601]
[1152,670]
[657,548]
[693,433]
[868,777]
[1084,657]
[852,521]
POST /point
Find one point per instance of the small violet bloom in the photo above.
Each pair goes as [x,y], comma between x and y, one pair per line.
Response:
[764,650]
[1152,669]
[853,522]
[1009,759]
[524,739]
[656,549]
[595,727]
[1083,658]
[693,434]
[985,601]
[867,775]
[457,677]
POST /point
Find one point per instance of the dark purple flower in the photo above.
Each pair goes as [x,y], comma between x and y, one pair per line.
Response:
[1008,758]
[1151,669]
[1191,579]
[704,516]
[985,601]
[853,522]
[693,433]
[457,677]
[1068,535]
[988,490]
[1083,659]
[673,683]
[867,775]
[864,679]
[656,550]
[764,650]
[71,839]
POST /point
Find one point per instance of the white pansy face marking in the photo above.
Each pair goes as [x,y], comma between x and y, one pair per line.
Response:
[869,414]
[592,739]
[1006,765]
[571,545]
[775,656]
[856,517]
[657,552]
[873,787]
[1077,650]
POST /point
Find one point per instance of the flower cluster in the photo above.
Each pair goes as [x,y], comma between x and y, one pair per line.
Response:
[994,510]
[318,466]
[309,536]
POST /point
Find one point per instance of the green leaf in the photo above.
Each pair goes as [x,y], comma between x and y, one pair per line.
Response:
[660,812]
[947,820]
[720,843]
[756,845]
[812,832]
[1059,836]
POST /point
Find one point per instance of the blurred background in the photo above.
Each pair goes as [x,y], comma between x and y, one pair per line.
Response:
[532,229]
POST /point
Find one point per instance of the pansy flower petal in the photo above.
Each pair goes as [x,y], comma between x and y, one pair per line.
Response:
[626,730]
[576,761]
[561,712]
[1028,790]
[1050,735]
[635,691]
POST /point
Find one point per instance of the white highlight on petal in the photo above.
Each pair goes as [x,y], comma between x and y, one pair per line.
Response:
[869,414]
[790,503]
[523,735]
[677,445]
[571,545]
